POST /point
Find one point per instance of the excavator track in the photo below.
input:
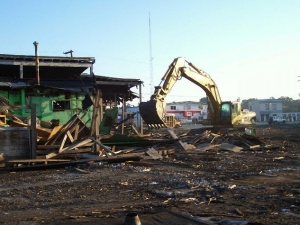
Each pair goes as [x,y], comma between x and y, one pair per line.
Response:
[153,113]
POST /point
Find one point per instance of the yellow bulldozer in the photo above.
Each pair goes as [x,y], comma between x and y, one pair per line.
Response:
[170,121]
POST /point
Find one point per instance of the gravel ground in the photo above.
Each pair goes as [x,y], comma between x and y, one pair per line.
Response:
[261,187]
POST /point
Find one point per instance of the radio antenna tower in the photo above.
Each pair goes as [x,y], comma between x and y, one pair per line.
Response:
[151,58]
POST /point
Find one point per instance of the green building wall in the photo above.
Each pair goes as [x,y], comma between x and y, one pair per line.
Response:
[44,107]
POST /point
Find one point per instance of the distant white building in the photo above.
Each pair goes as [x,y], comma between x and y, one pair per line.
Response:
[265,108]
[188,111]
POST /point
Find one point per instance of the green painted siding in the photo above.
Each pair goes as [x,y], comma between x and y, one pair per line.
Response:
[45,110]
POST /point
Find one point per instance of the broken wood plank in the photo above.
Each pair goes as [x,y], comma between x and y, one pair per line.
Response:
[76,145]
[135,130]
[76,132]
[82,171]
[62,131]
[255,147]
[62,143]
[20,161]
[46,147]
[209,147]
[42,132]
[246,142]
[1,157]
[51,155]
[54,131]
[102,145]
[153,153]
[73,163]
[230,147]
[70,136]
[197,139]
[179,142]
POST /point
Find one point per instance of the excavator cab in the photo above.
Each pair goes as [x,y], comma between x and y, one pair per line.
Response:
[231,114]
[228,111]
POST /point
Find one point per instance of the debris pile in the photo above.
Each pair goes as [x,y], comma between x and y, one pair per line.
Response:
[73,143]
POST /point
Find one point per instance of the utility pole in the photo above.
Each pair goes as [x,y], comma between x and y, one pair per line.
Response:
[37,62]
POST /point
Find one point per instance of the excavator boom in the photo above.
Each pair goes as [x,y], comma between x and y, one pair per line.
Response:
[153,112]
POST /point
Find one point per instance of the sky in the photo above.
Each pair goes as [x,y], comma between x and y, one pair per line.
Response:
[251,49]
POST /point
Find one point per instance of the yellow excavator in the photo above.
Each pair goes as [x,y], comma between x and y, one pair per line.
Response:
[221,114]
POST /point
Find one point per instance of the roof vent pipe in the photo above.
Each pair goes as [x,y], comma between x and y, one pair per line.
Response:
[37,63]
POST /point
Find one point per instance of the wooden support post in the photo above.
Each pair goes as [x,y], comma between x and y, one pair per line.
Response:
[96,115]
[99,110]
[123,114]
[141,120]
[33,132]
[96,119]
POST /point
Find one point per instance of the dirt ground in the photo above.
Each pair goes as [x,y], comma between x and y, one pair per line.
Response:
[252,187]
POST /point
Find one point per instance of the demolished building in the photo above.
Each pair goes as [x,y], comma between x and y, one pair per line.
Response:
[59,89]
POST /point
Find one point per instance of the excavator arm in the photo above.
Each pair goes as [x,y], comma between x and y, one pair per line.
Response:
[153,112]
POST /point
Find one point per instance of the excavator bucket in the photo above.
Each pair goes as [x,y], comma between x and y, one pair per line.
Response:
[153,113]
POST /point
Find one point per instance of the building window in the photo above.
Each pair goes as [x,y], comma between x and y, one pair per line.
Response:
[200,107]
[267,106]
[188,107]
[60,105]
[173,107]
[274,106]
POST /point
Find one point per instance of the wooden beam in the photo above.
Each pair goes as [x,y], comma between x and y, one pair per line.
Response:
[62,143]
[102,146]
[116,159]
[179,142]
[76,145]
[136,131]
[70,135]
[46,147]
[76,132]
